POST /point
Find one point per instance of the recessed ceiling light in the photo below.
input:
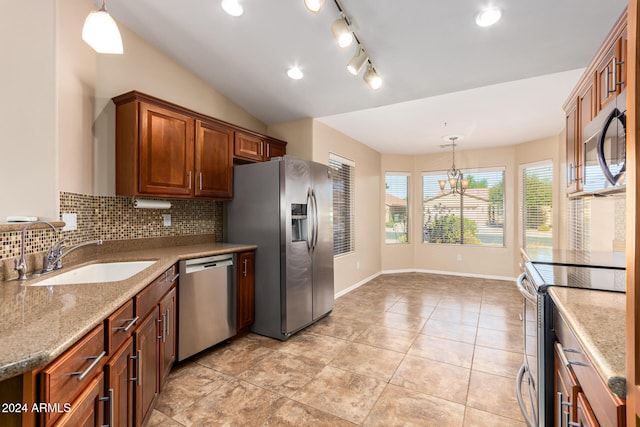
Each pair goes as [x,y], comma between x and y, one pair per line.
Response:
[295,73]
[232,7]
[488,17]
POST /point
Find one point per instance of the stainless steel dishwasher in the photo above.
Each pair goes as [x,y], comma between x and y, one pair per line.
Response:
[206,303]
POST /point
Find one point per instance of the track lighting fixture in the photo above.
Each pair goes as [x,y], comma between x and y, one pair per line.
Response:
[372,78]
[101,32]
[232,7]
[344,35]
[314,5]
[341,32]
[357,62]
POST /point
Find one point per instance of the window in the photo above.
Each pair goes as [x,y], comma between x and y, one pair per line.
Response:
[474,218]
[536,197]
[396,207]
[342,176]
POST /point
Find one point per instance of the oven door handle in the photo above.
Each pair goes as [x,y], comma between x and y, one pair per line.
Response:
[523,408]
[525,293]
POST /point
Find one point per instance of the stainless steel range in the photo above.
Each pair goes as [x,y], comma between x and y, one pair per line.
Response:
[534,383]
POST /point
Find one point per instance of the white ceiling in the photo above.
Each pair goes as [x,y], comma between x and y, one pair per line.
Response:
[498,86]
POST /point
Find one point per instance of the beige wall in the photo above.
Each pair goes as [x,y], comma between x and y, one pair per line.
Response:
[299,137]
[364,262]
[27,82]
[482,261]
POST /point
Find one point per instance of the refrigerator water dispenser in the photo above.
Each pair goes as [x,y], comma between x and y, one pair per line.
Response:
[298,222]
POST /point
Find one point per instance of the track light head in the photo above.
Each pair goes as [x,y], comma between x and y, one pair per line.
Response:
[342,33]
[357,62]
[314,5]
[372,78]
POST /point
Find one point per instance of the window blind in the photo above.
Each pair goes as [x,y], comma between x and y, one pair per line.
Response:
[396,207]
[474,218]
[342,177]
[536,197]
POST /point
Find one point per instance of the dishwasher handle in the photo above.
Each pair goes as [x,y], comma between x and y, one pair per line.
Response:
[193,266]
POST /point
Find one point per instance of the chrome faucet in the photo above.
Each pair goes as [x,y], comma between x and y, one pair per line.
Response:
[21,265]
[53,258]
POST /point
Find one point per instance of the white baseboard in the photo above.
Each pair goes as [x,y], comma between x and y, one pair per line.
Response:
[413,270]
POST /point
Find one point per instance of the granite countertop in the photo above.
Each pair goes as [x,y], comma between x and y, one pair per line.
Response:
[598,320]
[38,323]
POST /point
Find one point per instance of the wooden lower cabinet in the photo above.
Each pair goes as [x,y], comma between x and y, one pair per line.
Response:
[246,290]
[147,359]
[88,409]
[113,375]
[120,375]
[584,413]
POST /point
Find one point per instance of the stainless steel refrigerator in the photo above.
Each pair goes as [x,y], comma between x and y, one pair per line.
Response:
[285,207]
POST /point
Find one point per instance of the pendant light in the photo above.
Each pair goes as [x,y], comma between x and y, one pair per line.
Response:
[457,182]
[101,32]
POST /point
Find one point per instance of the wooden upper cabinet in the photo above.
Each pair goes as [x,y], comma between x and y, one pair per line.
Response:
[166,152]
[214,160]
[608,76]
[275,148]
[248,147]
[572,147]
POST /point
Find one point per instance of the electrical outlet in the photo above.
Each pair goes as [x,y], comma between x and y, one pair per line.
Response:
[70,221]
[459,257]
[166,218]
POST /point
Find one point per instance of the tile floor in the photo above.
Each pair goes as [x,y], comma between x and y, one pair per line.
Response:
[407,349]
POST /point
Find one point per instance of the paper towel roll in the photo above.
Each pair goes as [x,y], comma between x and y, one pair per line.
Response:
[151,204]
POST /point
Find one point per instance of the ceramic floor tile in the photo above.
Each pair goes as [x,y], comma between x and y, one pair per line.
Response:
[502,340]
[369,361]
[433,378]
[294,414]
[443,350]
[412,309]
[388,338]
[341,393]
[188,384]
[506,310]
[282,373]
[448,330]
[398,406]
[235,358]
[339,327]
[457,315]
[158,419]
[500,323]
[475,418]
[497,362]
[494,394]
[308,345]
[470,304]
[401,321]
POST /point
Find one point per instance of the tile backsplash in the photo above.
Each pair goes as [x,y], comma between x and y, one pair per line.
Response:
[115,218]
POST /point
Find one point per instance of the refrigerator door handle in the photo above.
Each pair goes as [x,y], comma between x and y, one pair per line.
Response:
[315,219]
[310,229]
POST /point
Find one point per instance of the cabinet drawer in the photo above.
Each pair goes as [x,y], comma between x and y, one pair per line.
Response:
[119,326]
[65,378]
[148,298]
[608,408]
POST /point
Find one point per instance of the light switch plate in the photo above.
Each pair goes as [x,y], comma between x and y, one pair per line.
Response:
[70,221]
[167,220]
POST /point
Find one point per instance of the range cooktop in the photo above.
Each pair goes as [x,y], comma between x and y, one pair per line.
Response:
[603,279]
[577,258]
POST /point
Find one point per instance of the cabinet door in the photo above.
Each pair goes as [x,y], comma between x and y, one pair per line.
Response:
[88,409]
[147,359]
[571,146]
[214,161]
[566,389]
[275,149]
[166,152]
[248,147]
[246,291]
[609,75]
[120,376]
[167,335]
[585,415]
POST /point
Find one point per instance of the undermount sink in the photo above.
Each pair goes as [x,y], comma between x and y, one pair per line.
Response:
[101,272]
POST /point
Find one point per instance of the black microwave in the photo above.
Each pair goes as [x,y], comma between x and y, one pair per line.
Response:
[604,151]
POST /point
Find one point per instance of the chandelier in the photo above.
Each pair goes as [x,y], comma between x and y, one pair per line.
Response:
[457,182]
